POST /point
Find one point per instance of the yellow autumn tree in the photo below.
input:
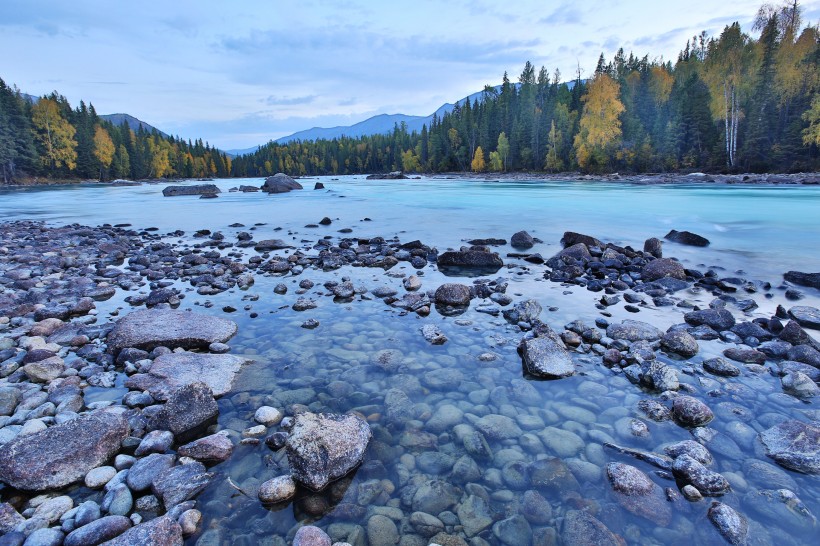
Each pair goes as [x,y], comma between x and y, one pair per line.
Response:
[478,165]
[600,125]
[410,162]
[54,134]
[103,149]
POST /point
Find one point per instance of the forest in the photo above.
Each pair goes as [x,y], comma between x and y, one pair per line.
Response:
[730,103]
[45,138]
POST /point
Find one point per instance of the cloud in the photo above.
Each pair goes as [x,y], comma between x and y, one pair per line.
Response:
[566,14]
[289,101]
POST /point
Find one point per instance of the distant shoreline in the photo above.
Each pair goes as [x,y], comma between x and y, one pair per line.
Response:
[649,179]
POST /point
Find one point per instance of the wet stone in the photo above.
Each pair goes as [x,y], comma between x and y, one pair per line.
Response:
[149,328]
[718,366]
[581,528]
[706,481]
[691,412]
[747,356]
[680,342]
[638,494]
[98,531]
[794,445]
[732,525]
[211,449]
[279,489]
[180,483]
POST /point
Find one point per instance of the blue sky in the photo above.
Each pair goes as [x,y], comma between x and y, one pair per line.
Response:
[243,72]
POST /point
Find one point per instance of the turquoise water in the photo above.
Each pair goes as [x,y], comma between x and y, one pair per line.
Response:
[338,367]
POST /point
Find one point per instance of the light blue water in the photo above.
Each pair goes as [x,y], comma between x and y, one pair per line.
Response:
[764,230]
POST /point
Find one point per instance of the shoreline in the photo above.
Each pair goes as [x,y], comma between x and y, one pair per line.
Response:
[803,179]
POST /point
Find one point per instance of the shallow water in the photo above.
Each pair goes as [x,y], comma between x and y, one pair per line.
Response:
[341,365]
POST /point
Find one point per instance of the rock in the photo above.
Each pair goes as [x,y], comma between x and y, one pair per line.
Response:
[525,311]
[571,254]
[149,328]
[52,509]
[98,531]
[639,494]
[318,186]
[805,354]
[311,536]
[570,238]
[706,481]
[633,330]
[180,483]
[657,375]
[141,475]
[654,247]
[48,536]
[9,398]
[210,449]
[98,477]
[280,183]
[800,385]
[433,334]
[324,447]
[434,497]
[458,295]
[803,279]
[199,189]
[188,409]
[156,441]
[536,508]
[794,445]
[691,412]
[279,489]
[522,239]
[46,370]
[271,244]
[498,427]
[663,267]
[691,448]
[546,356]
[717,319]
[268,416]
[718,366]
[686,238]
[9,518]
[118,501]
[488,262]
[680,342]
[807,317]
[393,175]
[475,515]
[62,454]
[161,531]
[782,507]
[747,356]
[513,531]
[731,524]
[381,531]
[583,529]
[171,371]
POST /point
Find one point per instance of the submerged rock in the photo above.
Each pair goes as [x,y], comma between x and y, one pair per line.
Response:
[62,454]
[433,334]
[795,445]
[731,524]
[149,328]
[199,189]
[583,529]
[324,447]
[639,494]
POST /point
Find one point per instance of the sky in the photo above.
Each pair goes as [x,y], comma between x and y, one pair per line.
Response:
[241,73]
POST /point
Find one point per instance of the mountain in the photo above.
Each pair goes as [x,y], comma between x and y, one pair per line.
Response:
[380,124]
[133,123]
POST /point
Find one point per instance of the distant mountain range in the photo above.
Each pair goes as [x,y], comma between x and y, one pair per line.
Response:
[379,124]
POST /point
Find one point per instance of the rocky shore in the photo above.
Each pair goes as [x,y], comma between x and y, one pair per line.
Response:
[110,423]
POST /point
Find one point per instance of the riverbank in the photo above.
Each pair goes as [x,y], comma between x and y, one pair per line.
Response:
[464,447]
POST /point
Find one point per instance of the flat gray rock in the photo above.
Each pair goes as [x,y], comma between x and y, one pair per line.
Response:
[324,447]
[174,370]
[62,454]
[795,445]
[633,330]
[546,356]
[149,328]
[199,189]
[637,493]
[180,483]
[187,409]
[807,317]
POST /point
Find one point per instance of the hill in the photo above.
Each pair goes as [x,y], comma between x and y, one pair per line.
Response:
[133,123]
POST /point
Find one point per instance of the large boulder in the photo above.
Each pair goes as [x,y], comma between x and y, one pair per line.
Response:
[522,239]
[795,445]
[199,189]
[663,267]
[546,356]
[471,259]
[280,183]
[149,328]
[188,409]
[686,238]
[174,370]
[324,447]
[811,280]
[62,454]
[807,317]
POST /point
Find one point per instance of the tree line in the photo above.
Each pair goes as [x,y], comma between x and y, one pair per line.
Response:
[731,102]
[47,138]
[728,103]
